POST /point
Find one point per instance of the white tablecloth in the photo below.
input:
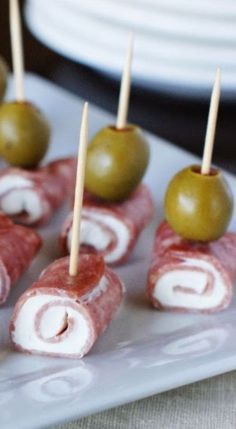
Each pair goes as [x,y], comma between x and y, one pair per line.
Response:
[209,404]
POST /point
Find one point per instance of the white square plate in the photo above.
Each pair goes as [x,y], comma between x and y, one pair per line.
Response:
[143,351]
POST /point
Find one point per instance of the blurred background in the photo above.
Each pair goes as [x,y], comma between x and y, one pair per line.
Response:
[80,45]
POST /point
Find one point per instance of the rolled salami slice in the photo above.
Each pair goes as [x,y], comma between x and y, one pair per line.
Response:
[191,276]
[18,246]
[60,315]
[30,197]
[111,229]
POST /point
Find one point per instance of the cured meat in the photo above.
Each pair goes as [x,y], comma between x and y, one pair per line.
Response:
[191,276]
[18,246]
[60,315]
[111,229]
[30,197]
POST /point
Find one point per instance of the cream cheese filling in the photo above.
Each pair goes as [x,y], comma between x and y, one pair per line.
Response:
[17,195]
[164,290]
[94,235]
[45,317]
[51,324]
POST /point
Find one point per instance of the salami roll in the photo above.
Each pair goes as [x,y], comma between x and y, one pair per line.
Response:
[18,246]
[111,229]
[60,315]
[30,197]
[191,276]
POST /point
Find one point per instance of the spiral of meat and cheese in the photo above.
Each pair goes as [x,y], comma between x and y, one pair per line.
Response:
[111,229]
[61,315]
[18,246]
[30,197]
[191,276]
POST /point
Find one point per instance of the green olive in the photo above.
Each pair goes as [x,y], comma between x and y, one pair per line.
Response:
[197,206]
[3,77]
[116,162]
[24,134]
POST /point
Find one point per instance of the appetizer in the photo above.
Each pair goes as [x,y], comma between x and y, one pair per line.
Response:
[24,131]
[112,229]
[18,247]
[118,155]
[29,193]
[30,197]
[74,299]
[63,315]
[3,78]
[191,275]
[116,206]
[193,263]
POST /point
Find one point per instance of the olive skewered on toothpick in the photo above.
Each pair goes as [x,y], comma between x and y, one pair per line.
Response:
[198,200]
[24,131]
[118,155]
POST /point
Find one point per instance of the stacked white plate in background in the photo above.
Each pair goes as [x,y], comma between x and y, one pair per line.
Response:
[178,44]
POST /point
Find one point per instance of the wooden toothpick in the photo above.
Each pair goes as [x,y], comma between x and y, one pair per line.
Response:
[125,87]
[79,190]
[211,125]
[17,49]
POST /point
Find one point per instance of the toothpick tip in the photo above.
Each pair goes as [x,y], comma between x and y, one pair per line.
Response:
[218,73]
[125,85]
[211,124]
[131,41]
[131,35]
